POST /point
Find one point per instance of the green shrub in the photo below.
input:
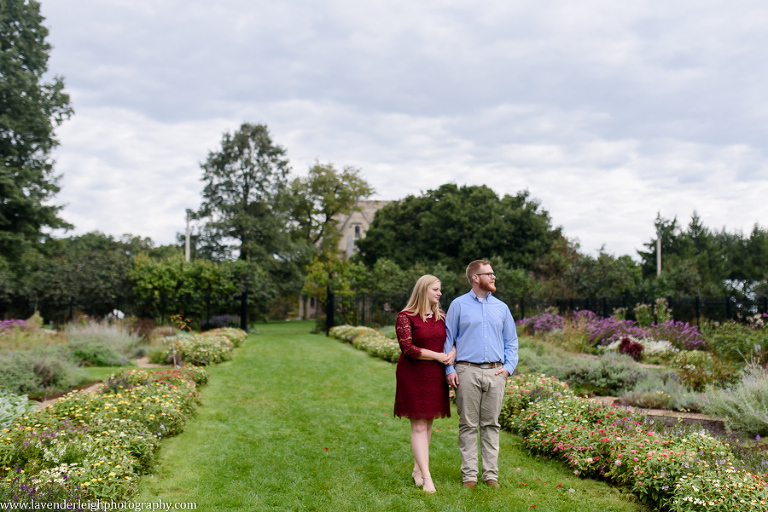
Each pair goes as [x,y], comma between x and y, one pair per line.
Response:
[538,357]
[733,341]
[611,374]
[388,331]
[662,391]
[199,349]
[236,336]
[743,406]
[663,314]
[698,369]
[38,372]
[370,340]
[643,314]
[158,355]
[93,353]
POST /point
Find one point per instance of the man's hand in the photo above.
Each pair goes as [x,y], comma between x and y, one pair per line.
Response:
[505,372]
[453,379]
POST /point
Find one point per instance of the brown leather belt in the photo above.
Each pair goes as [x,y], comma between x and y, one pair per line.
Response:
[484,366]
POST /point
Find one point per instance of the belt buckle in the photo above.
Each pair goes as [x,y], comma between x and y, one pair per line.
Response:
[486,366]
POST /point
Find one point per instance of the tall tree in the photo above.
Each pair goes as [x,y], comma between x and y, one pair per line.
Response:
[30,109]
[244,201]
[454,225]
[317,201]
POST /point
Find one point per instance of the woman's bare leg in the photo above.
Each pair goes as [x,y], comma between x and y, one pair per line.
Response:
[421,436]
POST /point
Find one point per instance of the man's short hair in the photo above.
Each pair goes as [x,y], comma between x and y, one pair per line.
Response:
[473,267]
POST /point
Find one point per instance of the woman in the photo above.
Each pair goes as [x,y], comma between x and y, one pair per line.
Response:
[422,391]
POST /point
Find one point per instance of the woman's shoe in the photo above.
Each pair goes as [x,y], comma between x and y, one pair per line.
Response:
[429,486]
[417,479]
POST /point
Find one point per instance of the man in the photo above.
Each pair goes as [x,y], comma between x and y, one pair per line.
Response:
[483,330]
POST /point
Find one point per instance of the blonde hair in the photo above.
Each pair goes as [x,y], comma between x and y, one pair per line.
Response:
[473,267]
[419,304]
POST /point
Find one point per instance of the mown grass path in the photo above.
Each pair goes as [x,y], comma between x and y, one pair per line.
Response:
[303,422]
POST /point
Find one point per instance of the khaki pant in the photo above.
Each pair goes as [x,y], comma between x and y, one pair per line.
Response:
[478,402]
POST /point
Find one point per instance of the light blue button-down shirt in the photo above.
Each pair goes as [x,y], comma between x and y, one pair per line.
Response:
[483,331]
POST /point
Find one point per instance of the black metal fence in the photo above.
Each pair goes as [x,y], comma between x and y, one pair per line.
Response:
[380,310]
[201,308]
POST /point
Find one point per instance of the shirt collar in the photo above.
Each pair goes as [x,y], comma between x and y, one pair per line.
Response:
[478,299]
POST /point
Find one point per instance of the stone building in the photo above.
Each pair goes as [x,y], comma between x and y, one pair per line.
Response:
[355,226]
[352,227]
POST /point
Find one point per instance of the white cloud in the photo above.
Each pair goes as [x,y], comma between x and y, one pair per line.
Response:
[607,112]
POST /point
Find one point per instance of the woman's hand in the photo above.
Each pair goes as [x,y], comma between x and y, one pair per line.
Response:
[451,357]
[441,357]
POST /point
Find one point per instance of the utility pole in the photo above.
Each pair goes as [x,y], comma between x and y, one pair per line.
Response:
[658,252]
[186,243]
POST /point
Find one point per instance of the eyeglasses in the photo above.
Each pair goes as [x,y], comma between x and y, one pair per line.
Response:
[489,274]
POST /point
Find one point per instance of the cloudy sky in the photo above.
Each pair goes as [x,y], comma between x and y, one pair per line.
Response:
[607,112]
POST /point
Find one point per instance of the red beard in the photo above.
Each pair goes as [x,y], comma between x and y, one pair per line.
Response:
[487,286]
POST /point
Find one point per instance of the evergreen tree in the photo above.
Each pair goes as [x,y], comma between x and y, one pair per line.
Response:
[30,109]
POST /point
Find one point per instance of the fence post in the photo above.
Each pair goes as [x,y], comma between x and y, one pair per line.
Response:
[330,307]
[605,307]
[71,307]
[698,310]
[728,307]
[244,309]
[765,304]
[208,308]
[162,309]
[571,305]
[362,322]
[522,307]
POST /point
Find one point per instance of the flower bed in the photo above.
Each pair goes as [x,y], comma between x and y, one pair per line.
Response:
[370,340]
[586,329]
[688,471]
[94,446]
[210,347]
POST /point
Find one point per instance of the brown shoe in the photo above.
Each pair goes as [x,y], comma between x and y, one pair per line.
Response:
[492,483]
[469,484]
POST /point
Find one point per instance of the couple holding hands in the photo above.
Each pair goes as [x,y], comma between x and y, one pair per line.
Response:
[472,348]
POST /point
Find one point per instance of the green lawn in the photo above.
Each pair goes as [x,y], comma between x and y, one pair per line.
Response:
[303,422]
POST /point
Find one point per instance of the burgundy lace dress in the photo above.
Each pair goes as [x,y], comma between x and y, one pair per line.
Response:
[422,391]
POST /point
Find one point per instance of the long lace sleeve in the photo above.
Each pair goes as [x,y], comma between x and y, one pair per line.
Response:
[405,338]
